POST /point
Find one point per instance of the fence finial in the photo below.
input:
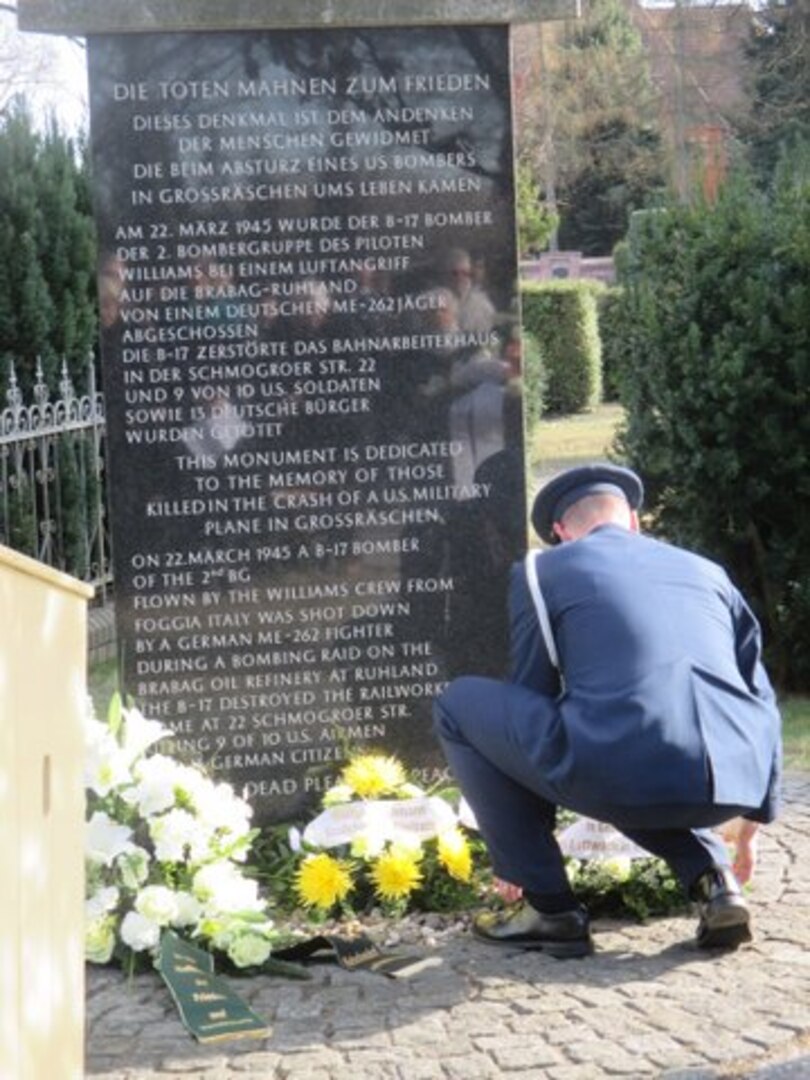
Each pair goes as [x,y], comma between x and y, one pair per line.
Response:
[66,385]
[45,448]
[13,393]
[40,387]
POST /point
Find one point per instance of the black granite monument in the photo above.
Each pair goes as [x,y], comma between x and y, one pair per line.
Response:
[309,317]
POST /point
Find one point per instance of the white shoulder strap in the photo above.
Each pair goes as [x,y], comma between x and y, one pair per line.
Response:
[540,607]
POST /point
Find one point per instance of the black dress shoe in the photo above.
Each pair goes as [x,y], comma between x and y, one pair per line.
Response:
[564,935]
[724,915]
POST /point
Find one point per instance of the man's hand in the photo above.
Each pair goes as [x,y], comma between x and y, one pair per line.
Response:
[745,854]
[508,892]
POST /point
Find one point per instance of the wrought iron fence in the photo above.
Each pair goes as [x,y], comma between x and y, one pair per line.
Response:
[53,503]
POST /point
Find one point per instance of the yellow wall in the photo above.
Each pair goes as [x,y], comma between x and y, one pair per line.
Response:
[43,648]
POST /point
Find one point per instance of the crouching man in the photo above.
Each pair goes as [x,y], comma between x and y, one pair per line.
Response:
[637,697]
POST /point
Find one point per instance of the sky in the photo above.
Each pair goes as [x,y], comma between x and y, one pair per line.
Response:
[48,69]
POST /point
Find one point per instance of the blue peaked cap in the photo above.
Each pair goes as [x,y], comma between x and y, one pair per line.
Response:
[567,488]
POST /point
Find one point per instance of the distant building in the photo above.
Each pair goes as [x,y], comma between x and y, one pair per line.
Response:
[697,62]
[572,265]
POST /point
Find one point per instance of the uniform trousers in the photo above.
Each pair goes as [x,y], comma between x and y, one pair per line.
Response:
[493,757]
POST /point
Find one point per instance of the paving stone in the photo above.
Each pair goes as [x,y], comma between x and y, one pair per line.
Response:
[470,1067]
[577,1072]
[514,1058]
[379,1039]
[697,1073]
[261,1064]
[426,1031]
[423,1070]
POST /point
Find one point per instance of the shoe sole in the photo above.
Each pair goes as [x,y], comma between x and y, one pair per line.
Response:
[728,929]
[560,950]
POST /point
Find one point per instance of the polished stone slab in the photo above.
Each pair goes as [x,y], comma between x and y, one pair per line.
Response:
[123,16]
[312,375]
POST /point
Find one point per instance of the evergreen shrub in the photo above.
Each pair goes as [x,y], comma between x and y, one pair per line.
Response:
[535,380]
[47,254]
[562,317]
[613,340]
[715,379]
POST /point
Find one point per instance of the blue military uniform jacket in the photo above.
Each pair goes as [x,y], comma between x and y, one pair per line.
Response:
[662,699]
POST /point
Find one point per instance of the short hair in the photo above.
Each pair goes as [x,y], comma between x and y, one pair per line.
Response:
[596,507]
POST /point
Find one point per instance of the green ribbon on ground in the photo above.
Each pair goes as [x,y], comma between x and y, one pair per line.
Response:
[208,1007]
[212,1012]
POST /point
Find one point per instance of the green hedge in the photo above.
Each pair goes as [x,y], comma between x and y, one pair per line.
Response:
[535,379]
[562,317]
[715,379]
[48,307]
[614,339]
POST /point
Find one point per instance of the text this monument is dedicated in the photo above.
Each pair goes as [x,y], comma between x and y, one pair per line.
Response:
[309,329]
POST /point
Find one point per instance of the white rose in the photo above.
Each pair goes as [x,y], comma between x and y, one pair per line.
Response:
[157,779]
[220,931]
[222,811]
[99,940]
[189,909]
[101,902]
[248,950]
[138,932]
[175,832]
[158,904]
[222,889]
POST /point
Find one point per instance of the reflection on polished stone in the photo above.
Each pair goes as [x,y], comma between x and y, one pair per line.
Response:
[312,372]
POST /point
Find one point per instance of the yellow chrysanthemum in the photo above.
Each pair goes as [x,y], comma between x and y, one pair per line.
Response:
[370,775]
[455,855]
[396,874]
[322,881]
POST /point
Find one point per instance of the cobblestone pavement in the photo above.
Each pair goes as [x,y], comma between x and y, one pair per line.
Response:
[648,1003]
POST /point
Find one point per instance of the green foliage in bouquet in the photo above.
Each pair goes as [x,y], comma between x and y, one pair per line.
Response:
[618,887]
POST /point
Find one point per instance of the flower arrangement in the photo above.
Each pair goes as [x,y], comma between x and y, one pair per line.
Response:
[611,875]
[166,847]
[169,848]
[379,841]
[616,888]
